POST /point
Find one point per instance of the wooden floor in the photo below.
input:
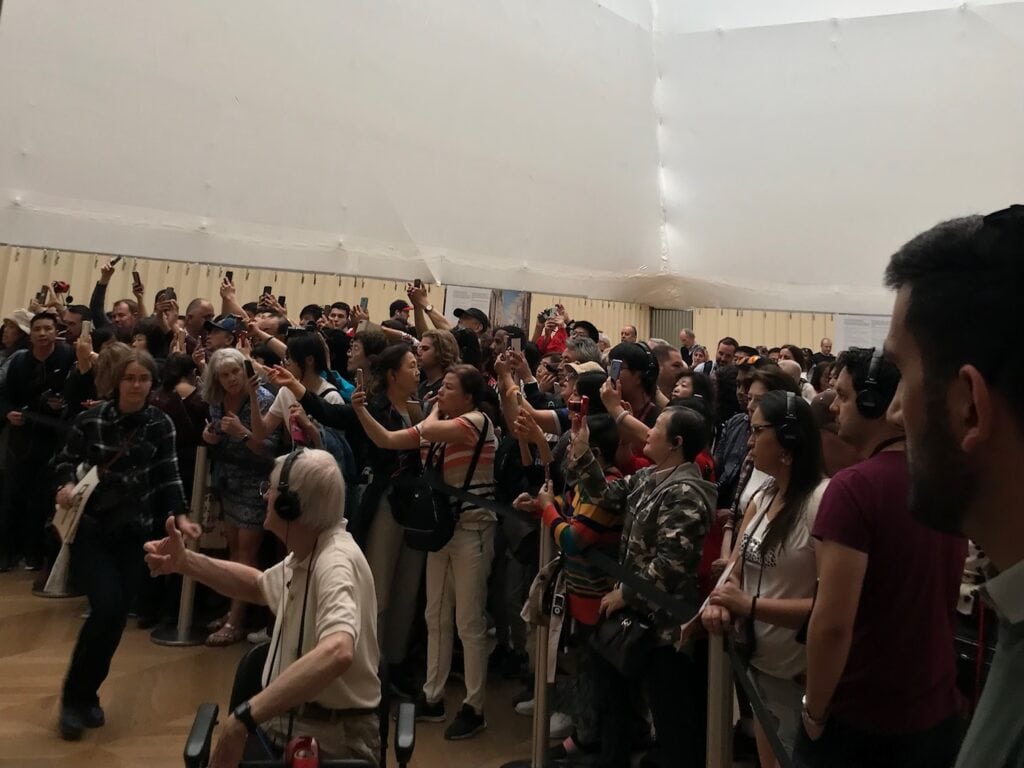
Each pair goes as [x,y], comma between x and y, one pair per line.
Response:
[152,693]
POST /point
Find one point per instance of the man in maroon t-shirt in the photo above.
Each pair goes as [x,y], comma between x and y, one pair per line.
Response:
[881,676]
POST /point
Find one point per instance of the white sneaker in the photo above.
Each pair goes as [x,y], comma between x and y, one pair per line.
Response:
[525,708]
[258,637]
[560,725]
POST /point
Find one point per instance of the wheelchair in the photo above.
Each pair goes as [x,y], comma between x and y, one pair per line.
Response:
[247,683]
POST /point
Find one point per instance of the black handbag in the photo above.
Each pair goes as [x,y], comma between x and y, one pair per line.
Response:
[625,640]
[429,516]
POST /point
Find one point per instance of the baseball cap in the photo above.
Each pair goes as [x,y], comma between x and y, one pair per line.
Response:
[227,323]
[588,367]
[401,305]
[474,313]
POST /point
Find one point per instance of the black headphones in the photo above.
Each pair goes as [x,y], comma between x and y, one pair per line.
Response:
[287,504]
[788,432]
[649,376]
[870,403]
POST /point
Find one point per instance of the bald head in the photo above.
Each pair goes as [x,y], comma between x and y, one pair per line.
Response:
[792,367]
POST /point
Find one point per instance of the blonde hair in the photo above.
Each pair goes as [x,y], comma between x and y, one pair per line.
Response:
[110,365]
[446,348]
[212,390]
[316,479]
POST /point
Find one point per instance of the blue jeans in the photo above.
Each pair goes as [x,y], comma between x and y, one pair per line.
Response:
[110,567]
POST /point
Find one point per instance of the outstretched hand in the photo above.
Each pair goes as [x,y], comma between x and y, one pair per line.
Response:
[167,555]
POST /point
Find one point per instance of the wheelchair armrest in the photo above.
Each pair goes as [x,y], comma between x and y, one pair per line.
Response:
[197,745]
[405,732]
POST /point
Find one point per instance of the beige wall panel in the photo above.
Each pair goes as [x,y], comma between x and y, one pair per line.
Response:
[753,327]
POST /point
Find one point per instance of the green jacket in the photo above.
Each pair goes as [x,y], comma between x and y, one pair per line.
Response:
[664,525]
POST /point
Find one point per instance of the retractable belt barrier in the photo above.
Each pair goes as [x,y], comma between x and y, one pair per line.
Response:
[679,609]
[767,720]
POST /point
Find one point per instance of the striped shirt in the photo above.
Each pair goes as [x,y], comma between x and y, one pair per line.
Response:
[459,455]
[147,467]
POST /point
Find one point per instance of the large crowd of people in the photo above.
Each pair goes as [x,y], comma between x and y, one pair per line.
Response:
[774,485]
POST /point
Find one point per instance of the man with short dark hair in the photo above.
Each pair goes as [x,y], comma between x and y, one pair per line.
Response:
[724,356]
[961,405]
[399,310]
[311,314]
[31,400]
[339,315]
[881,673]
[73,317]
[670,368]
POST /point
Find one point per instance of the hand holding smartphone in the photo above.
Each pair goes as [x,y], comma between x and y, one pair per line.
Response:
[614,371]
[359,378]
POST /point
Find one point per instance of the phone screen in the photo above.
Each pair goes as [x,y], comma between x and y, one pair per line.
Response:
[614,370]
[364,303]
[417,283]
[268,290]
[113,261]
[230,276]
[86,327]
[281,300]
[249,370]
[517,344]
[135,276]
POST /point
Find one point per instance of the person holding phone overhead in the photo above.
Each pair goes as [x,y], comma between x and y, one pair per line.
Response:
[461,439]
[240,462]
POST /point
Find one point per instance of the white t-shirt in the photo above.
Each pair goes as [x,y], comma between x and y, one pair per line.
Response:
[340,598]
[285,399]
[757,481]
[790,573]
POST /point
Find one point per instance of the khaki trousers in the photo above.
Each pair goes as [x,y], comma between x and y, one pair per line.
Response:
[457,586]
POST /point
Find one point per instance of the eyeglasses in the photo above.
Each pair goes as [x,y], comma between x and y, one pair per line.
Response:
[265,487]
[757,429]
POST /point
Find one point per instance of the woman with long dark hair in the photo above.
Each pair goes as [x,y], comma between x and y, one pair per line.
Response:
[772,583]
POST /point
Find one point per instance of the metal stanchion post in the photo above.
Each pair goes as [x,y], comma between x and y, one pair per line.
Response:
[184,633]
[719,704]
[541,723]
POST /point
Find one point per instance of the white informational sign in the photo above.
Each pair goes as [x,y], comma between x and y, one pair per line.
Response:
[461,297]
[862,331]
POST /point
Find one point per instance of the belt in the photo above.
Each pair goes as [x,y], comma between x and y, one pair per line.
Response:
[313,711]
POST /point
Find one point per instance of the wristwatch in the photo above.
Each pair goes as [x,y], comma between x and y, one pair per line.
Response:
[243,714]
[429,308]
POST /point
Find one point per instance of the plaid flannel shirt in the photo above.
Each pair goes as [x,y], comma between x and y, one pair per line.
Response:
[148,464]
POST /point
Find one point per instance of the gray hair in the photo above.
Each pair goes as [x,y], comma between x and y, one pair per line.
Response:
[584,349]
[316,479]
[212,390]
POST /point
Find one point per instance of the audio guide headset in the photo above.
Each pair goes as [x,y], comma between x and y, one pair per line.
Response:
[788,432]
[649,376]
[287,504]
[870,402]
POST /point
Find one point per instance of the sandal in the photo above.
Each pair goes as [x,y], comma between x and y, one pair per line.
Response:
[226,635]
[217,623]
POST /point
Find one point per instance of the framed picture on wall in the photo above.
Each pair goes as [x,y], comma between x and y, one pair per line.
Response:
[510,308]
